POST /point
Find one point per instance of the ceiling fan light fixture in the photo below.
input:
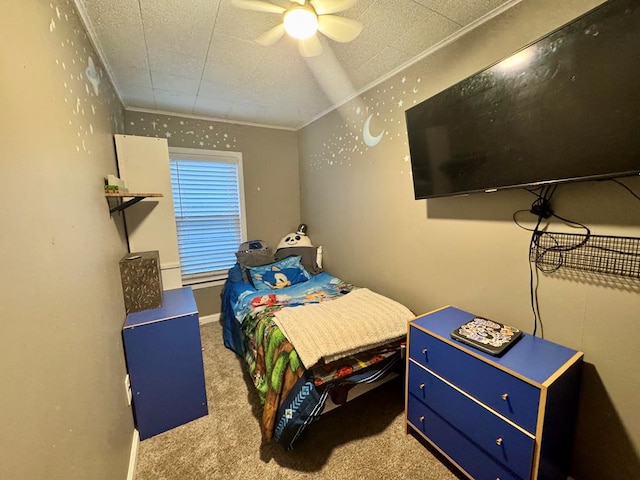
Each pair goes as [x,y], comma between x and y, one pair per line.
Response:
[300,22]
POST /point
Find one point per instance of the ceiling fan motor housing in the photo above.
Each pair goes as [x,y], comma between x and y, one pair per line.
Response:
[301,21]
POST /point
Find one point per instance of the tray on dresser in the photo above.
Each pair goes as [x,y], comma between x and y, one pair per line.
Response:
[487,335]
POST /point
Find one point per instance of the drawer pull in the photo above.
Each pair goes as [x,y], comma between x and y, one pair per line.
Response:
[424,350]
[505,396]
[422,386]
[421,418]
[499,441]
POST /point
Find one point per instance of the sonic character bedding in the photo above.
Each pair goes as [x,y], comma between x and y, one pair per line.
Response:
[306,337]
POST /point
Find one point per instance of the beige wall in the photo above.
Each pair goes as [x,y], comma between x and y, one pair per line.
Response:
[467,251]
[270,167]
[63,408]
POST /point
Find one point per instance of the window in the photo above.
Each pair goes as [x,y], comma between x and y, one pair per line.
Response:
[208,199]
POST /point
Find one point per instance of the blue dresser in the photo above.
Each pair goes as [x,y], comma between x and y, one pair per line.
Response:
[164,360]
[495,418]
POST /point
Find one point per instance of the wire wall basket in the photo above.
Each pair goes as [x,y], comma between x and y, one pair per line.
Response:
[592,253]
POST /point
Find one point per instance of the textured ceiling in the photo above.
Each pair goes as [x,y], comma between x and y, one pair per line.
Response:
[198,57]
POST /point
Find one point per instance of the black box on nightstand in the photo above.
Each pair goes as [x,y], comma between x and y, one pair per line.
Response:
[141,281]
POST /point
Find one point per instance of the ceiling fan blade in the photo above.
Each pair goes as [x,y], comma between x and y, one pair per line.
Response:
[270,37]
[310,47]
[301,2]
[258,6]
[339,29]
[323,7]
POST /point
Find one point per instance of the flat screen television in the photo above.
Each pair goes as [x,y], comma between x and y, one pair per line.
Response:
[564,108]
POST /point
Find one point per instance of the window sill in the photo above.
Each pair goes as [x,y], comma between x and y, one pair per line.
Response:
[206,284]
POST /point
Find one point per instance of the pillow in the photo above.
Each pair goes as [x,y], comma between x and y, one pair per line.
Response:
[284,273]
[309,257]
[279,278]
[253,258]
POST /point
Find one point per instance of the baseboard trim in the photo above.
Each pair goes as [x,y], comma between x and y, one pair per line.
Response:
[210,318]
[133,457]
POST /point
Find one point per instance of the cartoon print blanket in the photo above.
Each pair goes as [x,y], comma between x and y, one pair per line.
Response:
[292,395]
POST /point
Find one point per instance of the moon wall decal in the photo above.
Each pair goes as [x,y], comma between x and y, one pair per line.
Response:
[369,139]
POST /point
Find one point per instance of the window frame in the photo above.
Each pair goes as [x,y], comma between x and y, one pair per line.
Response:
[218,156]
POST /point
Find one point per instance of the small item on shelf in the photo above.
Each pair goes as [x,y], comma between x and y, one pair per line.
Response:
[113,184]
[487,335]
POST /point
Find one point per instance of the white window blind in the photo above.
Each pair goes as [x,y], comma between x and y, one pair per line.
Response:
[208,204]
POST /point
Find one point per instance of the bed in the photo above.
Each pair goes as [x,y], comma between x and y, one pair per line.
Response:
[307,343]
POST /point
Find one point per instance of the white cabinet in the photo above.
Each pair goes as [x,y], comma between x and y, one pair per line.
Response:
[143,164]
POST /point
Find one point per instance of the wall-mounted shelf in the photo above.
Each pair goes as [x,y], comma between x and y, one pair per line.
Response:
[605,254]
[133,199]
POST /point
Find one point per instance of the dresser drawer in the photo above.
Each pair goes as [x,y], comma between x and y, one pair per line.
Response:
[464,452]
[495,436]
[515,399]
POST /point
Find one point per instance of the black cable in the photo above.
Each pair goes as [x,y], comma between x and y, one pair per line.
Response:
[557,247]
[539,251]
[533,191]
[516,221]
[614,250]
[545,211]
[547,250]
[542,208]
[537,303]
[542,251]
[533,297]
[626,188]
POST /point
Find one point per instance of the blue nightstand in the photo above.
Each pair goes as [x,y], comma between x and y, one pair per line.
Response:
[164,359]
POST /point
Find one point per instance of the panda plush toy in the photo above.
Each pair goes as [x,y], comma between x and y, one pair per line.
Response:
[297,239]
[298,243]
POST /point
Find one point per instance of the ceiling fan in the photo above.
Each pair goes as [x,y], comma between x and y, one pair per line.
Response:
[303,19]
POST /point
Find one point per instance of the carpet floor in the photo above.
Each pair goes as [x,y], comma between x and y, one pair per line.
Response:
[364,439]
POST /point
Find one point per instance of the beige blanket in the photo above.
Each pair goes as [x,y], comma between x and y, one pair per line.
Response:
[360,320]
